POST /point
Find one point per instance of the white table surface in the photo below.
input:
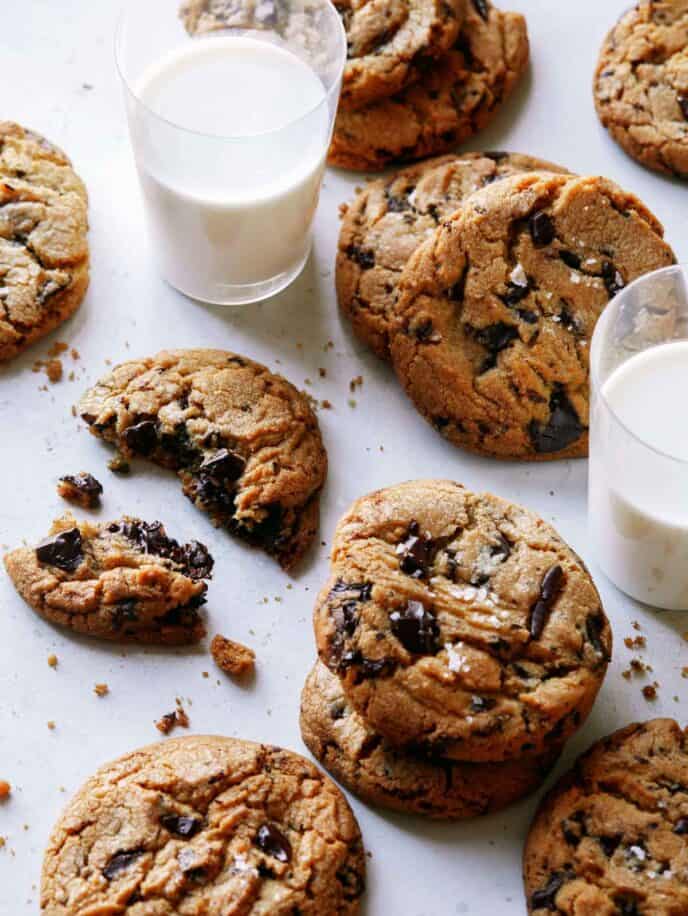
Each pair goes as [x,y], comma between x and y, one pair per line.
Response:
[50,51]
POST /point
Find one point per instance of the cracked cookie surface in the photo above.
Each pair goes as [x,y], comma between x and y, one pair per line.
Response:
[382,775]
[44,255]
[391,43]
[205,825]
[244,442]
[496,310]
[389,218]
[456,97]
[460,624]
[610,838]
[641,85]
[125,581]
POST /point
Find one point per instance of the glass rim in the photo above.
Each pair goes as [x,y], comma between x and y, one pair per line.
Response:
[596,344]
[122,23]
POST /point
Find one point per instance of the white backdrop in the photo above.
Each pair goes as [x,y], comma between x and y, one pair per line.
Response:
[50,50]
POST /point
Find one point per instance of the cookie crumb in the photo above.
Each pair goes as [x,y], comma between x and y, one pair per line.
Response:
[171,720]
[119,464]
[650,691]
[322,373]
[326,405]
[51,367]
[51,725]
[101,690]
[53,660]
[5,789]
[355,383]
[82,489]
[232,657]
[57,348]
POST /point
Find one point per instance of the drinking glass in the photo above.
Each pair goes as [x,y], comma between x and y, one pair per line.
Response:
[638,485]
[230,206]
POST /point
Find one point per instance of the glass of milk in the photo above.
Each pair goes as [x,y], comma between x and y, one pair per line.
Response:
[638,474]
[230,129]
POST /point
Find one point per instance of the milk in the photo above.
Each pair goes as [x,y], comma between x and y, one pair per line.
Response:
[639,476]
[230,198]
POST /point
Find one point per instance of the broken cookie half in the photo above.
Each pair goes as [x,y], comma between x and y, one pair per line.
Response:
[125,581]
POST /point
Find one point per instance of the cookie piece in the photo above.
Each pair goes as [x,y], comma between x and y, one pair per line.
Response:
[456,97]
[388,220]
[610,838]
[125,581]
[232,657]
[206,825]
[391,44]
[44,255]
[82,489]
[244,442]
[497,309]
[201,17]
[641,85]
[383,776]
[461,623]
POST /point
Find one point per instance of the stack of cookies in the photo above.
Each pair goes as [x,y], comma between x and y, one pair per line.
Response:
[481,277]
[422,76]
[461,642]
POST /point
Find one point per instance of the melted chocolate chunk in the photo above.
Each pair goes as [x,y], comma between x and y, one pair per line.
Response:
[562,429]
[416,629]
[613,280]
[515,292]
[197,561]
[570,259]
[495,338]
[361,590]
[610,844]
[181,825]
[141,437]
[594,626]
[64,550]
[179,450]
[545,898]
[424,331]
[361,256]
[416,552]
[121,862]
[683,105]
[352,883]
[681,827]
[541,228]
[397,204]
[550,589]
[482,8]
[375,667]
[150,537]
[482,704]
[273,843]
[124,612]
[627,906]
[222,466]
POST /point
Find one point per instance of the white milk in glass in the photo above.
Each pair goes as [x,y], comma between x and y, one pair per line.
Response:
[236,212]
[640,497]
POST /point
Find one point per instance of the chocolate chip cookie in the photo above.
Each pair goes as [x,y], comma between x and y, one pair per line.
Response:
[461,624]
[44,255]
[610,838]
[641,84]
[384,776]
[388,220]
[205,825]
[201,17]
[391,43]
[244,442]
[496,310]
[456,97]
[125,581]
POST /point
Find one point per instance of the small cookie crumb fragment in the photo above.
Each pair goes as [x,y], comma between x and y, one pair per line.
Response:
[650,691]
[232,657]
[119,465]
[82,488]
[53,660]
[5,789]
[171,720]
[101,690]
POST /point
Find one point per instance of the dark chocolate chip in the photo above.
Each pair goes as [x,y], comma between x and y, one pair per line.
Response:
[181,824]
[613,280]
[361,590]
[64,550]
[545,898]
[424,331]
[416,552]
[197,561]
[610,844]
[362,256]
[222,466]
[627,906]
[416,628]
[515,292]
[85,485]
[482,8]
[495,338]
[397,204]
[541,228]
[681,827]
[550,589]
[375,667]
[594,627]
[482,704]
[180,452]
[683,105]
[352,883]
[124,612]
[273,842]
[570,259]
[141,437]
[563,428]
[120,862]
